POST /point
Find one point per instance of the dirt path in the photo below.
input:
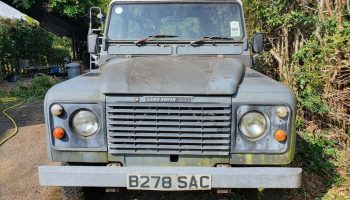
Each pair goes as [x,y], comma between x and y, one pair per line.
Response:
[20,157]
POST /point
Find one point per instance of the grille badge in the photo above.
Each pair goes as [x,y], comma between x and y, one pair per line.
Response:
[167,99]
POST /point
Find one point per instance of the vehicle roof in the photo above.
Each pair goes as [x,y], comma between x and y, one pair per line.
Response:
[174,1]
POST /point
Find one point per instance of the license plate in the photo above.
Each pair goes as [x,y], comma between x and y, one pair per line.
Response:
[168,182]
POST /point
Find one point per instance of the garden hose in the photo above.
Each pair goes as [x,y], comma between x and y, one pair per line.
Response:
[10,118]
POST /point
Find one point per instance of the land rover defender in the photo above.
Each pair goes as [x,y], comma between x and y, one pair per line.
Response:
[174,105]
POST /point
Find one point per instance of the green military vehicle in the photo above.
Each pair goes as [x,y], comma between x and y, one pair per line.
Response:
[173,106]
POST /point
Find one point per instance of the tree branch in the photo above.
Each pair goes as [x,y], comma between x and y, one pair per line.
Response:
[277,57]
[328,6]
[321,7]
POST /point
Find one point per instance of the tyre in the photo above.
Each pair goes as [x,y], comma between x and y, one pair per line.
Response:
[266,194]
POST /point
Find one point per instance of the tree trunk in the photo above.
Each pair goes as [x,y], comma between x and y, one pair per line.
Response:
[340,15]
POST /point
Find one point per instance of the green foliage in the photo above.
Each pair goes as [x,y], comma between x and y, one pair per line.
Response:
[35,89]
[76,8]
[2,94]
[24,3]
[314,59]
[26,40]
[316,152]
[71,8]
[308,50]
[312,63]
[270,15]
[61,47]
[20,40]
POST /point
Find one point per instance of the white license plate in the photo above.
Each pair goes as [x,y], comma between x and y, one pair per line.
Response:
[168,182]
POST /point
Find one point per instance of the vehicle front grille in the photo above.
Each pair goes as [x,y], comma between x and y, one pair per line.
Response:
[169,128]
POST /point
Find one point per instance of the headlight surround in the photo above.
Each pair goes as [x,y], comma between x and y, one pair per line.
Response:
[253,125]
[85,123]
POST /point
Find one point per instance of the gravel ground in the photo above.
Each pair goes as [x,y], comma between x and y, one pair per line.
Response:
[20,156]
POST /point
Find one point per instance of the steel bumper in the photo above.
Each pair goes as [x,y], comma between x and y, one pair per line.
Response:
[244,177]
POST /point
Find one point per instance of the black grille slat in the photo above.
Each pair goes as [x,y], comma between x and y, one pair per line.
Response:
[169,123]
[168,146]
[169,128]
[168,111]
[166,141]
[168,152]
[178,135]
[167,117]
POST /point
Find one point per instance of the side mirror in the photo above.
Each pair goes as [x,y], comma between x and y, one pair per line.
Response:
[258,42]
[92,41]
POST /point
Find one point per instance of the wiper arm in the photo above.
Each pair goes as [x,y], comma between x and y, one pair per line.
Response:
[210,38]
[152,37]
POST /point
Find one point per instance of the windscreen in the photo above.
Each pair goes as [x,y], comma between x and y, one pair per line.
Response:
[185,21]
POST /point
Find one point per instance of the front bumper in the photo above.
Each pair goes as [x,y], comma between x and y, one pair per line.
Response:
[244,177]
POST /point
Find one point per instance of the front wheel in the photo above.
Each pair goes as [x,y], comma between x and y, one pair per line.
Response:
[81,193]
[266,194]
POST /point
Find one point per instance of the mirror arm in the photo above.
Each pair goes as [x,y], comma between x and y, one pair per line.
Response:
[100,16]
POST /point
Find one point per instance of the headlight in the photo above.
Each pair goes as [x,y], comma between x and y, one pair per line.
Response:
[253,125]
[85,123]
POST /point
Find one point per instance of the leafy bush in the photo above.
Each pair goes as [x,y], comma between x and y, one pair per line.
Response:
[25,39]
[308,49]
[71,8]
[35,89]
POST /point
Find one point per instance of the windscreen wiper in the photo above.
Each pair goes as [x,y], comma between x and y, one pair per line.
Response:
[210,38]
[152,37]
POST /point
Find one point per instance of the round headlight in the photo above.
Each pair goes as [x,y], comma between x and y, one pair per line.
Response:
[85,123]
[253,125]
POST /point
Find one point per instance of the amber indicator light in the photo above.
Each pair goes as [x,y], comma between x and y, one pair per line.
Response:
[58,133]
[281,136]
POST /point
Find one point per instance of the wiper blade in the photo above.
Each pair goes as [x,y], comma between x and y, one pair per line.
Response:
[152,37]
[210,38]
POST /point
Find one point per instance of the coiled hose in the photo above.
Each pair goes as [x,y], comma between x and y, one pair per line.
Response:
[10,118]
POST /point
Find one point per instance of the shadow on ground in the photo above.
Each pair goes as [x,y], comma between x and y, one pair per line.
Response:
[150,195]
[27,114]
[319,173]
